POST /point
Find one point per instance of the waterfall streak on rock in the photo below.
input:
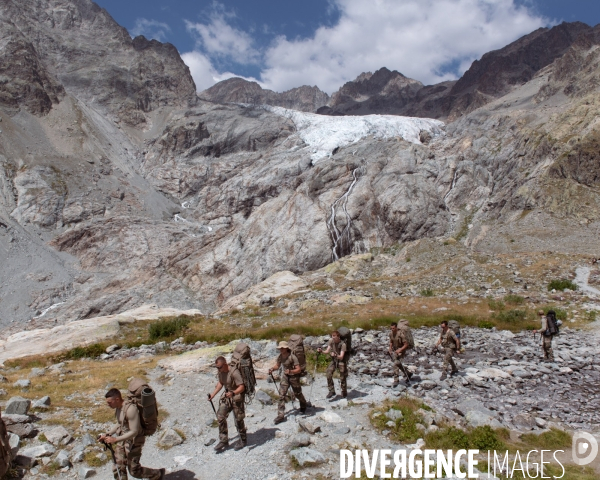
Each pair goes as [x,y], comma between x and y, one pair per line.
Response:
[341,240]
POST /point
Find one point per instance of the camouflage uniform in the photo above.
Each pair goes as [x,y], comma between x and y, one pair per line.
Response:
[129,452]
[337,348]
[397,341]
[546,341]
[231,380]
[289,380]
[449,345]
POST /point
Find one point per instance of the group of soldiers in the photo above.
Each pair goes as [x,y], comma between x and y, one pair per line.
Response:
[130,439]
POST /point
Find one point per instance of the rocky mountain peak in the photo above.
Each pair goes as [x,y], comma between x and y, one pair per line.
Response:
[76,46]
[240,90]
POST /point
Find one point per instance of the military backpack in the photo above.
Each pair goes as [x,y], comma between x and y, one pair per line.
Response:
[296,344]
[346,336]
[242,361]
[143,397]
[406,331]
[455,327]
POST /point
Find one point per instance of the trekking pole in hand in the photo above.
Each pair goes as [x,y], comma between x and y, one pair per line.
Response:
[314,378]
[109,447]
[212,404]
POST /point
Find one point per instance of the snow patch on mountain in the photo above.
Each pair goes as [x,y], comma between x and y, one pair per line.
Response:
[323,133]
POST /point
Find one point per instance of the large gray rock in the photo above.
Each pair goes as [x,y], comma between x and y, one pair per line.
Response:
[15,442]
[86,472]
[263,397]
[22,383]
[62,459]
[170,438]
[57,434]
[298,440]
[307,457]
[394,414]
[479,419]
[524,422]
[28,457]
[42,403]
[12,419]
[23,430]
[18,405]
[309,427]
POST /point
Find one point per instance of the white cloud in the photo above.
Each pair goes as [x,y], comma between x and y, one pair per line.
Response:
[150,29]
[203,72]
[222,41]
[415,37]
[419,38]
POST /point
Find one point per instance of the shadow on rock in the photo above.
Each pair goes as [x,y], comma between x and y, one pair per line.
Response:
[181,475]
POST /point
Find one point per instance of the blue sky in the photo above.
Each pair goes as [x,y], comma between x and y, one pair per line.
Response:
[283,44]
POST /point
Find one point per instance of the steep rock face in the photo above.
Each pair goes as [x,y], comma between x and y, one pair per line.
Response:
[238,90]
[383,92]
[24,83]
[96,60]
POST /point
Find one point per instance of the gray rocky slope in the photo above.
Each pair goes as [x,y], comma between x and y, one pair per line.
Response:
[119,187]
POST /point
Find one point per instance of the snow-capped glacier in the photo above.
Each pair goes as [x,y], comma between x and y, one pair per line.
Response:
[323,133]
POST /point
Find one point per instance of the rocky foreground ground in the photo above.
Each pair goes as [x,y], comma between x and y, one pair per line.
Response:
[502,383]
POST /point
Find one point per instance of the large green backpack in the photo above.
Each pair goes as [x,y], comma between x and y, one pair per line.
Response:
[346,336]
[241,360]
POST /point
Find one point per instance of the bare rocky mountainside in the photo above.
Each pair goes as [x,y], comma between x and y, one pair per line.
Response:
[120,187]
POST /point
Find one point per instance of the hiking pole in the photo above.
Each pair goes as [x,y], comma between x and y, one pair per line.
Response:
[279,389]
[213,405]
[314,378]
[401,367]
[108,446]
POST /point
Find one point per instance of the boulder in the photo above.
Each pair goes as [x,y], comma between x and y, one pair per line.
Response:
[18,405]
[86,472]
[23,430]
[307,457]
[13,419]
[393,414]
[330,417]
[22,383]
[42,403]
[309,427]
[299,440]
[480,419]
[37,372]
[56,434]
[62,459]
[28,456]
[524,422]
[263,397]
[15,443]
[170,438]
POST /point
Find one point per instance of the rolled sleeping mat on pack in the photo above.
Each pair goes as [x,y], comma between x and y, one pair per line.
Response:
[148,402]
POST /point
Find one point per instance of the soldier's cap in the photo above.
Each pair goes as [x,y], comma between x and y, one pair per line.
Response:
[541,312]
[283,345]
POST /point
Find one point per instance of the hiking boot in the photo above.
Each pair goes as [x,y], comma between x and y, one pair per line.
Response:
[444,376]
[279,419]
[303,410]
[395,384]
[330,395]
[344,394]
[410,375]
[162,474]
[221,446]
[453,372]
[240,444]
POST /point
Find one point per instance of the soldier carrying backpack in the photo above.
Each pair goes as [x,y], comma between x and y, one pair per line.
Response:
[338,351]
[550,327]
[401,340]
[137,417]
[292,371]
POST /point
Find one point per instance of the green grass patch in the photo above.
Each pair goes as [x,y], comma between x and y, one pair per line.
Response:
[168,327]
[514,299]
[591,316]
[485,324]
[562,284]
[90,351]
[554,439]
[511,316]
[496,305]
[480,438]
[405,429]
[428,292]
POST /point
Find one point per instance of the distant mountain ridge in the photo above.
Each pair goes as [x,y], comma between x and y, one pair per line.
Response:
[390,92]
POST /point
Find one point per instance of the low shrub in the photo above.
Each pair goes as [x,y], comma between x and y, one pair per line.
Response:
[428,292]
[91,351]
[481,438]
[511,316]
[514,299]
[485,324]
[562,284]
[167,327]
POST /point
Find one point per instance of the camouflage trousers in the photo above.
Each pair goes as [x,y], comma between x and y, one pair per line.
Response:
[286,382]
[547,348]
[398,367]
[128,455]
[448,360]
[341,367]
[239,413]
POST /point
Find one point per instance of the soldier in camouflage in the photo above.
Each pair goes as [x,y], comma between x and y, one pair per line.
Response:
[398,347]
[231,400]
[129,442]
[289,377]
[546,338]
[337,350]
[450,344]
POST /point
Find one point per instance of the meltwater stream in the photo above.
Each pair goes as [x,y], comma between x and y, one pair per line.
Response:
[341,239]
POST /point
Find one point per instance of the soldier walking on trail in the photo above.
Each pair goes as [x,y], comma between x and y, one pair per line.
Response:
[546,335]
[290,377]
[231,400]
[450,344]
[130,439]
[399,345]
[337,350]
